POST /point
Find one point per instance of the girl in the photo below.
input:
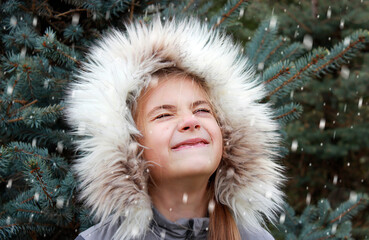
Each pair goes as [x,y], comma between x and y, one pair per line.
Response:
[175,142]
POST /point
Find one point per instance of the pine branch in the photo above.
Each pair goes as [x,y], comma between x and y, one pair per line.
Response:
[346,212]
[36,169]
[15,83]
[285,114]
[28,199]
[225,16]
[289,216]
[281,72]
[349,47]
[20,101]
[298,74]
[70,11]
[188,5]
[306,28]
[16,149]
[33,5]
[273,51]
[27,69]
[260,46]
[314,8]
[15,120]
[69,57]
[27,224]
[290,54]
[29,211]
[22,108]
[132,8]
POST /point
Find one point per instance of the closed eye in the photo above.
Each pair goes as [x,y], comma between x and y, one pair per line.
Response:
[162,116]
[202,110]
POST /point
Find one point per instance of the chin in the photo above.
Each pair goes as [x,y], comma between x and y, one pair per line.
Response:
[197,166]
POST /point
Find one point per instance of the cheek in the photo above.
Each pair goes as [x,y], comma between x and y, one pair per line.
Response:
[218,140]
[217,133]
[156,141]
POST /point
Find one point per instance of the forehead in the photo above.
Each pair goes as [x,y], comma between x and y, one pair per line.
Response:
[172,90]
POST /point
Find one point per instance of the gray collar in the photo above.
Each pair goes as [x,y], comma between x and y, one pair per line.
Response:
[184,228]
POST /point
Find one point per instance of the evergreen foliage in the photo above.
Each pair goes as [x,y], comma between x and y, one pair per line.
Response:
[329,154]
[321,221]
[43,44]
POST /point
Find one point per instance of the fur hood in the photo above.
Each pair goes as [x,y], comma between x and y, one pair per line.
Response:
[111,172]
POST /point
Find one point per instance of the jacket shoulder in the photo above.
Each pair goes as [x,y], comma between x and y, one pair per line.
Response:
[100,231]
[257,234]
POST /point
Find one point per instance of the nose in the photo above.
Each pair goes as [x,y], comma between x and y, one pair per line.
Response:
[188,123]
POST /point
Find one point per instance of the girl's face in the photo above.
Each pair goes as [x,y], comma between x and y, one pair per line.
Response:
[180,132]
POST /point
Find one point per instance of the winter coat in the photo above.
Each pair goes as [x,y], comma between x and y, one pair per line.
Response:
[111,171]
[161,228]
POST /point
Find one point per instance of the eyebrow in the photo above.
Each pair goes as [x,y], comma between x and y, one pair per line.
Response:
[172,107]
[199,102]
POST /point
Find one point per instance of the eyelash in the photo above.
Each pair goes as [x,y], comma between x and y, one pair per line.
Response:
[162,115]
[196,111]
[202,110]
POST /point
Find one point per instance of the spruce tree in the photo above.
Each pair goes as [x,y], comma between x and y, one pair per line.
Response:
[42,46]
[328,142]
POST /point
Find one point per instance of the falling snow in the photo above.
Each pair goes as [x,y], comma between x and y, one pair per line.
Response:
[185,198]
[308,42]
[9,90]
[342,24]
[273,22]
[135,231]
[261,66]
[211,206]
[308,199]
[107,15]
[46,83]
[347,41]
[75,19]
[34,21]
[162,234]
[59,202]
[242,11]
[353,196]
[282,218]
[294,145]
[322,124]
[13,21]
[334,228]
[60,147]
[360,103]
[9,184]
[31,217]
[329,12]
[36,197]
[230,172]
[34,142]
[335,178]
[23,53]
[268,194]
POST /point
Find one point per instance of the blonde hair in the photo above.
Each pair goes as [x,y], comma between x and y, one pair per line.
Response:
[221,222]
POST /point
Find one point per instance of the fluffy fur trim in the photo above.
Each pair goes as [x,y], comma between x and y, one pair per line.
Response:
[111,171]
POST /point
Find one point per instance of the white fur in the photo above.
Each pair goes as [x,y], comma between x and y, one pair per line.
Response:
[111,171]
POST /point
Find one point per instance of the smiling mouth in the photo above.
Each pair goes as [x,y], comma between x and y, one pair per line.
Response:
[191,143]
